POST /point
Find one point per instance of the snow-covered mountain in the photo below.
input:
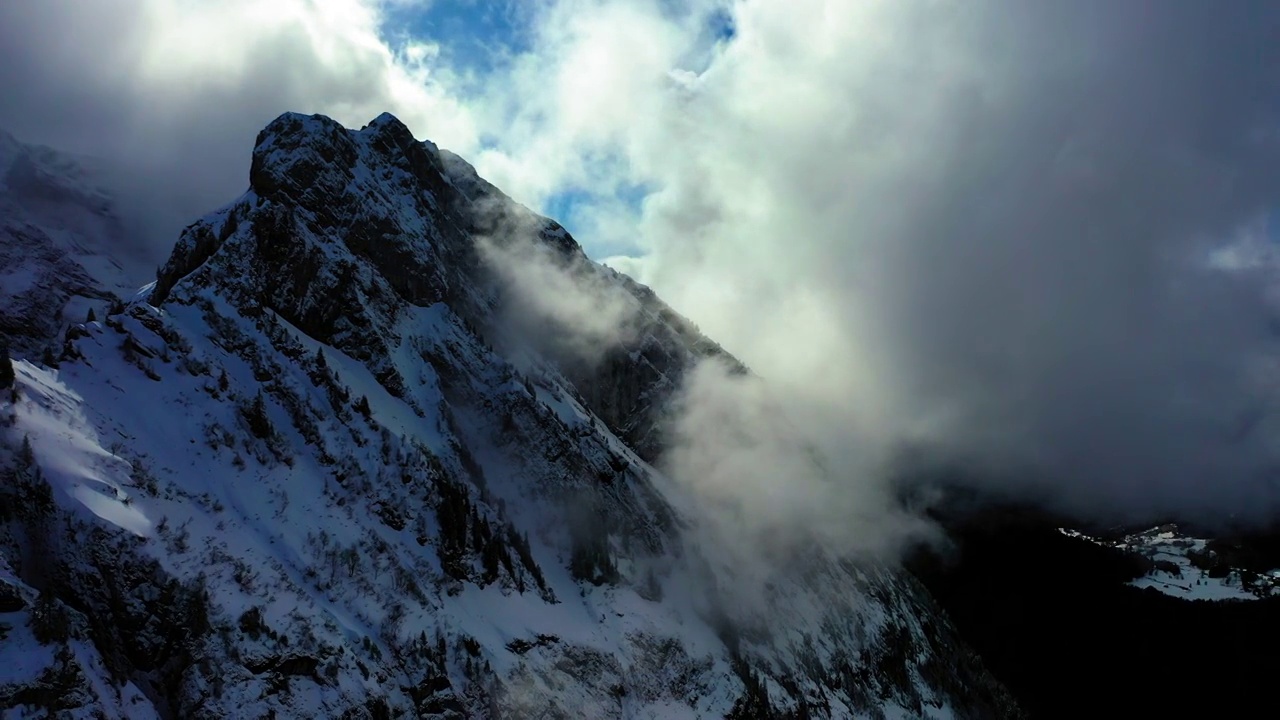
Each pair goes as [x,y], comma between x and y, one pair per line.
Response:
[63,246]
[336,462]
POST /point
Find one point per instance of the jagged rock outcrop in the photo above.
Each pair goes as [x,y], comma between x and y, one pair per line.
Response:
[316,185]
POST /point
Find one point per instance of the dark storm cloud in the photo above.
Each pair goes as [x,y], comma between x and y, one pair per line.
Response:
[994,228]
[1047,275]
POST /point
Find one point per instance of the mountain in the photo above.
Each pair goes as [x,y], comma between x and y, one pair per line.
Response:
[63,245]
[358,453]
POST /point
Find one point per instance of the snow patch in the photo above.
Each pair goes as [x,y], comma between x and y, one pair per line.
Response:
[1180,566]
[67,448]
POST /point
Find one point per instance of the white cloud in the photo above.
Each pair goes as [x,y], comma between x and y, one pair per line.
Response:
[557,302]
[975,224]
[175,91]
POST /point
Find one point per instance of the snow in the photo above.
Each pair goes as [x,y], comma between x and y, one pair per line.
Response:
[70,414]
[1187,581]
[17,279]
[68,450]
[1173,572]
[25,657]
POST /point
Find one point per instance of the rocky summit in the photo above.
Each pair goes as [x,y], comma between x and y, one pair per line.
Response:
[337,461]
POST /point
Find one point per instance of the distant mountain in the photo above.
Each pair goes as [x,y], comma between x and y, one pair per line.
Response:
[1193,568]
[63,245]
[315,470]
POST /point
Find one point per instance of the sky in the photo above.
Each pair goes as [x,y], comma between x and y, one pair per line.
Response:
[1033,238]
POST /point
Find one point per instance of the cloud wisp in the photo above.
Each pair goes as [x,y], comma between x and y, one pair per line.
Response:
[555,300]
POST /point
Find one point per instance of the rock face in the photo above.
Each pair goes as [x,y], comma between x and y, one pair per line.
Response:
[405,216]
[320,469]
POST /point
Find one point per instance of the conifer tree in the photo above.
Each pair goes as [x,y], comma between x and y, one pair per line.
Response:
[49,621]
[7,375]
[34,492]
[259,423]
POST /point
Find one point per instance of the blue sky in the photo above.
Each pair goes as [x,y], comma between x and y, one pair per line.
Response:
[479,38]
[475,33]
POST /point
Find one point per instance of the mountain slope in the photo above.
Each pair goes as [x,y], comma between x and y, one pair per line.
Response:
[343,460]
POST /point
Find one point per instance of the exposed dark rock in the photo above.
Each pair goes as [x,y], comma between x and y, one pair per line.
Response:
[303,171]
[10,598]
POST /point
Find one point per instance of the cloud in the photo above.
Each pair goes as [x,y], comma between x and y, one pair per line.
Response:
[582,107]
[555,300]
[981,228]
[765,490]
[173,93]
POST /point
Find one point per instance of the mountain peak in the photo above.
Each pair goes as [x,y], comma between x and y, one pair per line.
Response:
[295,151]
[388,123]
